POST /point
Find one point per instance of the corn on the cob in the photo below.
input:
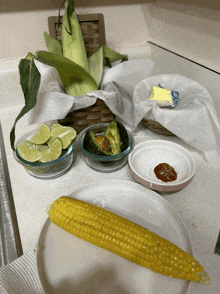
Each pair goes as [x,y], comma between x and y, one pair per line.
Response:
[125,238]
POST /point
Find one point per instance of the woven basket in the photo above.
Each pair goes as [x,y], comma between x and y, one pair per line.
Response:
[156,127]
[93,31]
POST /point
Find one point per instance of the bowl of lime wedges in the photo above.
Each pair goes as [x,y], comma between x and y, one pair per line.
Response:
[46,153]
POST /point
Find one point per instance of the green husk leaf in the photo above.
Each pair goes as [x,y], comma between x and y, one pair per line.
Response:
[96,65]
[73,45]
[69,10]
[113,55]
[105,56]
[53,45]
[71,74]
[30,83]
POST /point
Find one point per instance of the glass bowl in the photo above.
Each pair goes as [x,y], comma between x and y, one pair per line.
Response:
[46,170]
[104,163]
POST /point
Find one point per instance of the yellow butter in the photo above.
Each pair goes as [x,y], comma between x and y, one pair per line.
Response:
[163,96]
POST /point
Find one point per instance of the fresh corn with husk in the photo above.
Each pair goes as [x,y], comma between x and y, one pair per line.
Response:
[75,79]
[116,234]
[73,49]
[73,45]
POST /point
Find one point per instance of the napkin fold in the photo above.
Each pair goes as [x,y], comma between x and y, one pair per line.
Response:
[20,276]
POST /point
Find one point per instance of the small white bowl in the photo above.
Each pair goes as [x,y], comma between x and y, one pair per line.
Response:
[147,155]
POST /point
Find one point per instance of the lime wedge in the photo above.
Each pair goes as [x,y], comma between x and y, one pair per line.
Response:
[53,152]
[50,141]
[28,143]
[41,148]
[67,135]
[42,135]
[56,126]
[28,152]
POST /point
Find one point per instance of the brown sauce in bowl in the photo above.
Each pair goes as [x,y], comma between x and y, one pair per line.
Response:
[165,172]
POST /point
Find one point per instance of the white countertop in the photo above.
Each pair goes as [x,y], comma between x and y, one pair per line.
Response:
[198,204]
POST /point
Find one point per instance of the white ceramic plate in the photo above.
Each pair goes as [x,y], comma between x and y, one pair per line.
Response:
[67,264]
[147,155]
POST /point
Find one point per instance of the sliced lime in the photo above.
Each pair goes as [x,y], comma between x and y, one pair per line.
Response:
[28,143]
[28,152]
[41,148]
[42,135]
[50,141]
[56,126]
[67,135]
[53,152]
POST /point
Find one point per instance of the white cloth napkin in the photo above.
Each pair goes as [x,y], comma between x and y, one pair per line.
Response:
[20,276]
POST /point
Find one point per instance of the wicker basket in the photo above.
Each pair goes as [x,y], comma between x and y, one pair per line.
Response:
[93,31]
[156,127]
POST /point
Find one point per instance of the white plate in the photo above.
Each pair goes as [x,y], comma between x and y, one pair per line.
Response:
[147,155]
[67,264]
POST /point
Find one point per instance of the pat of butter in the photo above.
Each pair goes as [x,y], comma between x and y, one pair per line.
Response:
[164,97]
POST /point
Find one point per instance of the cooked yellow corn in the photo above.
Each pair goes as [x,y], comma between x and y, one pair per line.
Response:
[125,238]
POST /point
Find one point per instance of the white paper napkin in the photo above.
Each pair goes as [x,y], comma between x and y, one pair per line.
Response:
[194,119]
[20,276]
[53,103]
